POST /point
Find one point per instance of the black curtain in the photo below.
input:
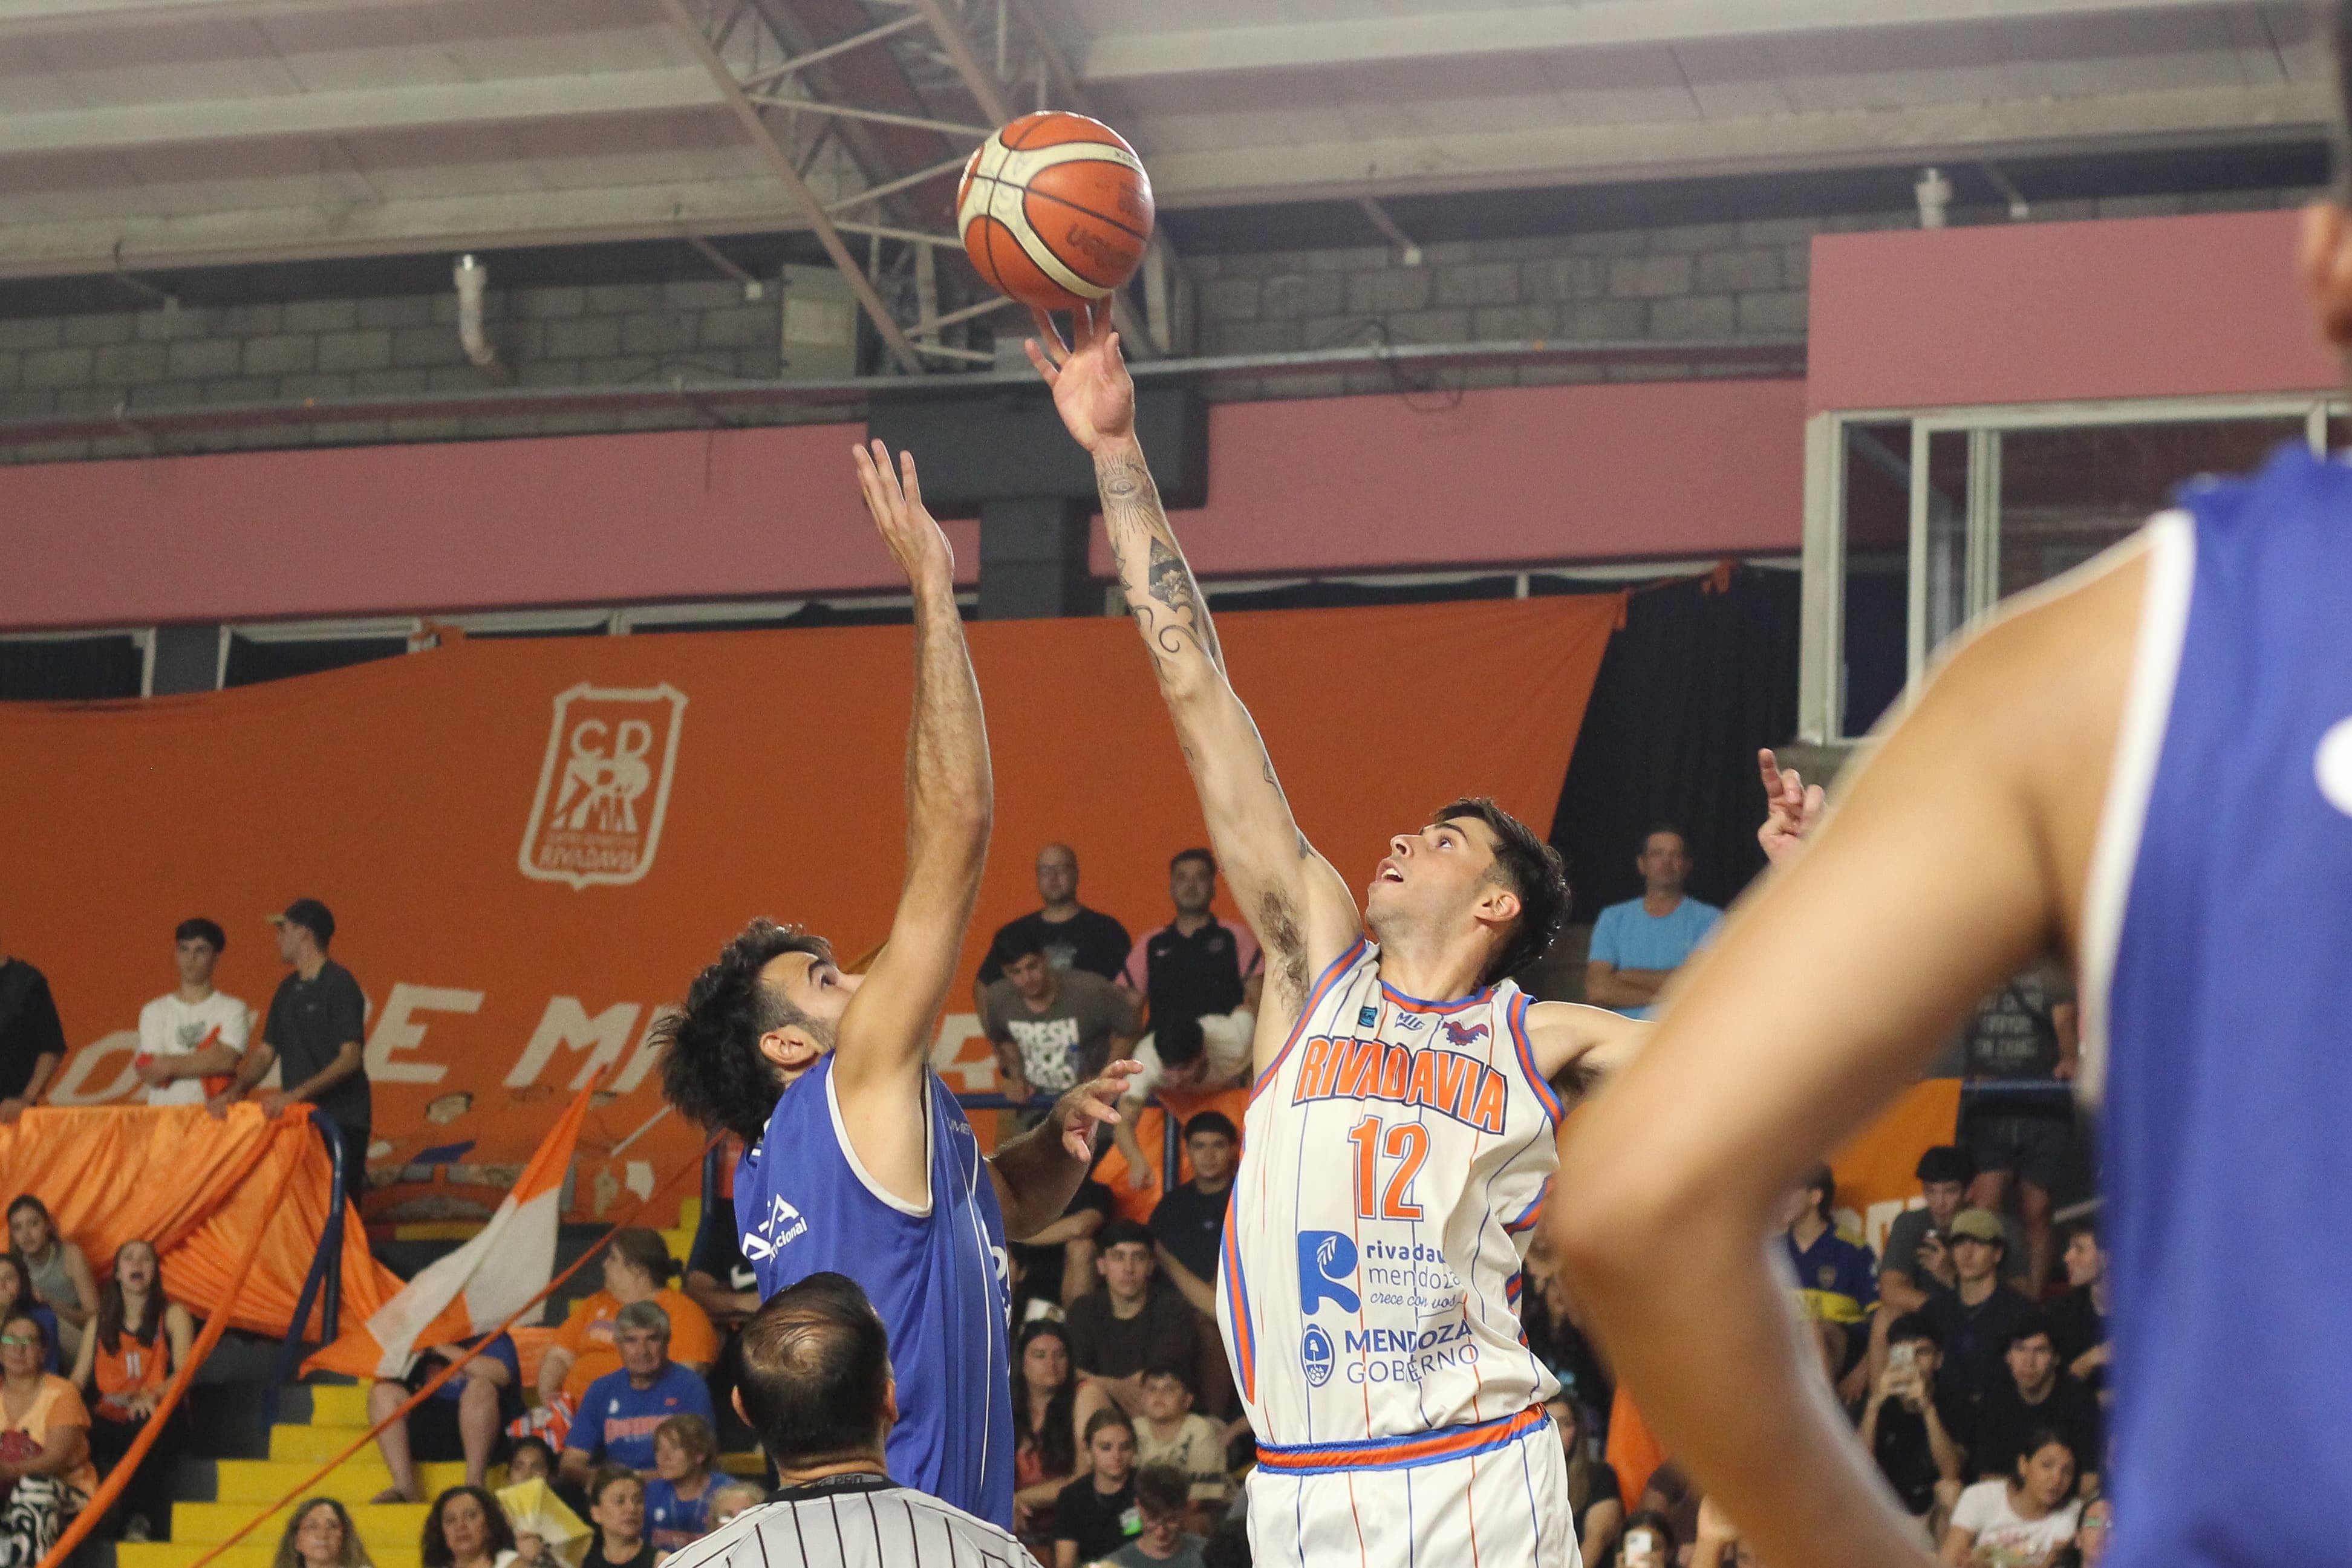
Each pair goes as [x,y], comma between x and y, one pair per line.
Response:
[1688,691]
[69,669]
[252,660]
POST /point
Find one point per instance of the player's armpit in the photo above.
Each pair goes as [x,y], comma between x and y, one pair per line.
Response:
[1588,1044]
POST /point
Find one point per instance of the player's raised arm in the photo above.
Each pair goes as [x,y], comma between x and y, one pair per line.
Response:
[1299,908]
[886,1032]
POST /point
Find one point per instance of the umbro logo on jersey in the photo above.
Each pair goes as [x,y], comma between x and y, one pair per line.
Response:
[2333,766]
[782,1225]
[1327,1259]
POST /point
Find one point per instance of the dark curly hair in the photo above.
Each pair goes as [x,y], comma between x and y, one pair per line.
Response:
[1528,867]
[712,1071]
[435,1549]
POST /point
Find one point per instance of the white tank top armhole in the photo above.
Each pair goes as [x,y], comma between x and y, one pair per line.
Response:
[857,1168]
[2131,777]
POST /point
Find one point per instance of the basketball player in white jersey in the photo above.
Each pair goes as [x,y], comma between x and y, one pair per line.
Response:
[1400,1132]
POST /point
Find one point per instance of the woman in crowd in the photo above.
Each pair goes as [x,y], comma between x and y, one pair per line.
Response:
[1647,1542]
[1595,1502]
[616,1507]
[15,1290]
[465,1528]
[530,1459]
[1095,1515]
[728,1499]
[125,1361]
[2092,1535]
[1044,1440]
[638,1266]
[319,1535]
[2025,1522]
[678,1498]
[56,1268]
[43,1446]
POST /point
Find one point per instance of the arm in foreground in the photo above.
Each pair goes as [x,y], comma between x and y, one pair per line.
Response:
[1832,987]
[1038,1173]
[1302,912]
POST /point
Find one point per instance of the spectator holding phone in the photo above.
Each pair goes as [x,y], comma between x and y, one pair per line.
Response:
[1916,1428]
[1648,1542]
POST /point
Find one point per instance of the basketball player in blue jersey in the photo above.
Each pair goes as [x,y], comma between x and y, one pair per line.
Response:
[857,1158]
[2147,768]
[1399,1136]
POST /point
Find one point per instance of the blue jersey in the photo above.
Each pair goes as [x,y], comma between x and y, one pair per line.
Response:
[2217,956]
[939,1276]
[617,1419]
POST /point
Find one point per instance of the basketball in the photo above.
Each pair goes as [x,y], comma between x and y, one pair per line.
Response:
[1055,210]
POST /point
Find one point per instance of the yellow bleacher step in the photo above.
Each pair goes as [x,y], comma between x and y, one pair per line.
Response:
[384,1526]
[256,1481]
[253,1551]
[340,1405]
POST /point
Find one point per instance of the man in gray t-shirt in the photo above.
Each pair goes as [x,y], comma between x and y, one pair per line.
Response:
[1914,1251]
[1053,1028]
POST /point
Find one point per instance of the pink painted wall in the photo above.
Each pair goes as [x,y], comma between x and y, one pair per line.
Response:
[2062,312]
[1342,484]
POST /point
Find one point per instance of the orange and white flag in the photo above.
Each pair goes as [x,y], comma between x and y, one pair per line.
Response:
[472,1290]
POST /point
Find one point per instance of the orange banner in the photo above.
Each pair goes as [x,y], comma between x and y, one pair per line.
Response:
[1876,1168]
[199,1190]
[532,845]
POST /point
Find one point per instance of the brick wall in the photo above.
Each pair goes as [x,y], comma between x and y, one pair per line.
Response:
[1699,281]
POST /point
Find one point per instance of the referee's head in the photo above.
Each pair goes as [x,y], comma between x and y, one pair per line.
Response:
[817,1377]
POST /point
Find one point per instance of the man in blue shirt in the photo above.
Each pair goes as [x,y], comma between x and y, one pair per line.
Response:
[620,1410]
[1837,1283]
[1638,944]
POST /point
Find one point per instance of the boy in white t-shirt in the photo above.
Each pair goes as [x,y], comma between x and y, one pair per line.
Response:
[196,1032]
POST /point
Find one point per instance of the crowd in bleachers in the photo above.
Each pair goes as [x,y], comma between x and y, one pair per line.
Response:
[1977,1386]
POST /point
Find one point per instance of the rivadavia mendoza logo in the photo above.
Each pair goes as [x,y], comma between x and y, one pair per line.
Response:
[604,785]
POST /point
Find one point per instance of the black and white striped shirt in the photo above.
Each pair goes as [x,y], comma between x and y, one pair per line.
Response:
[853,1522]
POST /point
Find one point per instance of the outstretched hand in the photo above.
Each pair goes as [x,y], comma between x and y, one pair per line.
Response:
[1081,1108]
[895,500]
[1092,391]
[1792,810]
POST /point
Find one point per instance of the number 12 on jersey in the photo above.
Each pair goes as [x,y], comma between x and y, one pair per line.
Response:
[1407,1142]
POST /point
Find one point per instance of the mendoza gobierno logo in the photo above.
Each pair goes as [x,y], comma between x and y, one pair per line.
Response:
[603,786]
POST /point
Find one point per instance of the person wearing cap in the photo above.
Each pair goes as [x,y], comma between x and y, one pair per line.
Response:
[1916,1255]
[1977,1313]
[194,1033]
[314,1033]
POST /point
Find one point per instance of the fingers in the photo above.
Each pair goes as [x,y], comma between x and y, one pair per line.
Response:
[909,484]
[1769,767]
[1037,358]
[1103,312]
[1058,347]
[1816,801]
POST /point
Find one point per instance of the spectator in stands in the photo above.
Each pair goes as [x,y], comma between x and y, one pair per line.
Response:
[57,1271]
[1171,1432]
[637,1265]
[728,1499]
[529,1459]
[1182,1056]
[1976,1314]
[1095,1514]
[1119,1330]
[678,1499]
[1045,1428]
[721,1281]
[319,1535]
[125,1363]
[461,1420]
[1071,936]
[1596,1500]
[1057,1265]
[2078,1321]
[32,1041]
[2092,1533]
[1195,965]
[1649,1542]
[1837,1283]
[1187,1228]
[2022,1521]
[192,1036]
[1165,1517]
[2037,1396]
[17,1293]
[616,1506]
[621,1411]
[313,1035]
[1053,1028]
[1917,1253]
[465,1528]
[1917,1427]
[45,1468]
[1638,944]
[2023,1033]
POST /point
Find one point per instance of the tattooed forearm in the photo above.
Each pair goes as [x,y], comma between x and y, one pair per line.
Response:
[1167,604]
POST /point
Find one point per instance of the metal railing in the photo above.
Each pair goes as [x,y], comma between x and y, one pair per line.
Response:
[323,1285]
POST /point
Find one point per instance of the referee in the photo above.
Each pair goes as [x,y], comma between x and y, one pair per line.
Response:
[816,1386]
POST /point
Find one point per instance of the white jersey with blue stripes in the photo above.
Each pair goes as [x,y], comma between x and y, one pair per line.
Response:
[1396,1153]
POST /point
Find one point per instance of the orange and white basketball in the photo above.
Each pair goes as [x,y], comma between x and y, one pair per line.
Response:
[1055,210]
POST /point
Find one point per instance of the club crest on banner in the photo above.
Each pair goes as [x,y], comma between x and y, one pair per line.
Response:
[604,785]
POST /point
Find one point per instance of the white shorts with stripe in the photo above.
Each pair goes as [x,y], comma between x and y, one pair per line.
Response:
[1489,1496]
